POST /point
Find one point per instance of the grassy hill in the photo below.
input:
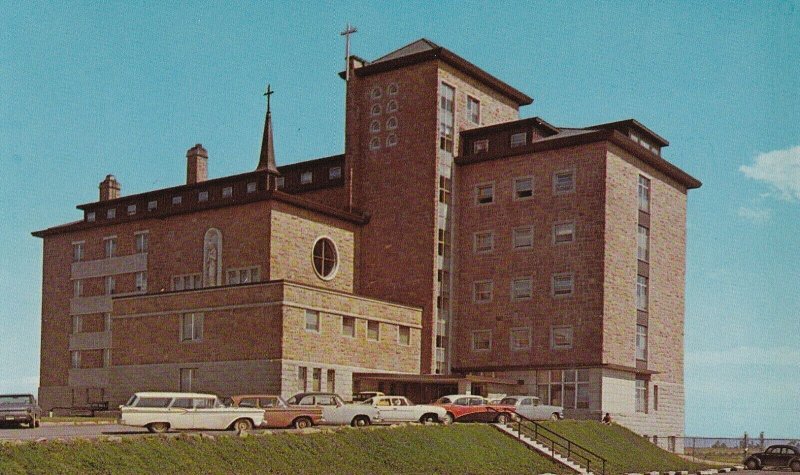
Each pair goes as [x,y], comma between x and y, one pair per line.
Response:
[625,451]
[455,449]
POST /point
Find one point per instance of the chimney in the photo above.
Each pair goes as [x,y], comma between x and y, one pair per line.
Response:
[109,188]
[196,164]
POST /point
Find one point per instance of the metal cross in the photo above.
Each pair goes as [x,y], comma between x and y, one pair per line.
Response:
[268,94]
[346,33]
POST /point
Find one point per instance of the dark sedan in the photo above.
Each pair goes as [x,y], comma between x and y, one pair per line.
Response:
[19,409]
[775,456]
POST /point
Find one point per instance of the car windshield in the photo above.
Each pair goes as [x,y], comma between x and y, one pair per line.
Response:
[368,402]
[11,400]
[443,400]
[508,401]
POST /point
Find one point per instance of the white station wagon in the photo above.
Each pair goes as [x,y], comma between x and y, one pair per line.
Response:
[400,409]
[160,412]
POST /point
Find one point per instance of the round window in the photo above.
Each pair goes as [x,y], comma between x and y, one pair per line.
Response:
[325,258]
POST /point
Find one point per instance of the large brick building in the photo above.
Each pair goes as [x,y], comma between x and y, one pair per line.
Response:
[450,237]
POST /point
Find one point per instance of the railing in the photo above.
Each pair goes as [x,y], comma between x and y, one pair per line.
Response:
[558,443]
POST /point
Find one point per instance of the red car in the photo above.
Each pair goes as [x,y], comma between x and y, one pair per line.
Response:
[469,408]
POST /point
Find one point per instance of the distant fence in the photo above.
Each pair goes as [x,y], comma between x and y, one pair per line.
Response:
[720,449]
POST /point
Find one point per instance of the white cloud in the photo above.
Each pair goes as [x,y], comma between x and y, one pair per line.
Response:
[780,169]
[756,215]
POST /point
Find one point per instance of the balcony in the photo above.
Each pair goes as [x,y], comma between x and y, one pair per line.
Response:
[90,341]
[109,266]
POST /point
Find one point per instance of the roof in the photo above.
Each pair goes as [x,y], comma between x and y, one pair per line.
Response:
[423,50]
[173,394]
[433,378]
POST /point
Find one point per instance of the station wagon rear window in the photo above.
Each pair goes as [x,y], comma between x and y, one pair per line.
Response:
[182,403]
[153,402]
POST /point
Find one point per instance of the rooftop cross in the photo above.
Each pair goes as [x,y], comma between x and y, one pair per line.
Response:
[346,33]
[269,93]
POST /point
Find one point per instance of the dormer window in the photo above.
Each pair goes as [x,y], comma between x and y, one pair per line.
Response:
[152,205]
[480,146]
[91,216]
[306,178]
[519,139]
[334,173]
[131,210]
[176,200]
[252,187]
[111,213]
[279,182]
[227,192]
[202,196]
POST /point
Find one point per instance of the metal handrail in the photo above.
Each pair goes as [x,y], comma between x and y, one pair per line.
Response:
[564,443]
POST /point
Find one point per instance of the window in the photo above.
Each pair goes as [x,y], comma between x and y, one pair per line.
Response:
[77,324]
[141,242]
[392,89]
[446,117]
[91,216]
[522,288]
[563,285]
[325,258]
[391,124]
[484,242]
[391,106]
[141,281]
[244,275]
[252,187]
[563,233]
[111,213]
[445,187]
[306,177]
[484,194]
[188,376]
[77,288]
[186,282]
[177,200]
[655,397]
[391,140]
[75,356]
[227,192]
[106,358]
[316,379]
[522,238]
[375,93]
[561,338]
[302,378]
[312,321]
[375,143]
[349,327]
[641,342]
[373,330]
[644,194]
[77,251]
[520,339]
[643,244]
[152,205]
[482,340]
[192,327]
[375,127]
[376,110]
[110,245]
[568,388]
[202,196]
[111,285]
[482,291]
[404,335]
[473,110]
[564,182]
[480,146]
[331,381]
[131,210]
[443,245]
[334,173]
[641,292]
[279,182]
[641,395]
[523,188]
[519,139]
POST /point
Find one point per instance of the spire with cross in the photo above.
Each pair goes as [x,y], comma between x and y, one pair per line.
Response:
[349,30]
[267,159]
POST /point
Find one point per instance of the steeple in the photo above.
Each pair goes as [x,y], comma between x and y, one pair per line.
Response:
[267,159]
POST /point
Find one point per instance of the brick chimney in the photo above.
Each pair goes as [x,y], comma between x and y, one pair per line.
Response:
[196,164]
[109,188]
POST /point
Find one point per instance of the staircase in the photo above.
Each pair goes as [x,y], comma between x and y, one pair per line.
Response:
[554,446]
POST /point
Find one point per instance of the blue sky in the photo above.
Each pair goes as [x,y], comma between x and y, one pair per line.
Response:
[126,88]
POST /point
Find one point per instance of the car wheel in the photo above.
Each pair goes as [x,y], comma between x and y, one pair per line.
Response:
[554,416]
[428,418]
[752,464]
[360,421]
[158,427]
[795,466]
[242,425]
[37,422]
[302,423]
[448,418]
[502,418]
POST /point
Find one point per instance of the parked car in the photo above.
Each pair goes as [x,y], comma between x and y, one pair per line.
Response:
[400,409]
[532,408]
[775,456]
[470,408]
[20,409]
[335,411]
[160,412]
[277,413]
[364,395]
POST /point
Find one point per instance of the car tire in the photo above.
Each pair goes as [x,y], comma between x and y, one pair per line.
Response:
[37,422]
[554,416]
[502,418]
[752,464]
[302,423]
[795,466]
[360,421]
[429,418]
[448,418]
[158,427]
[242,425]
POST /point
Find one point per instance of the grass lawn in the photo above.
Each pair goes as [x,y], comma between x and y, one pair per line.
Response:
[454,449]
[624,450]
